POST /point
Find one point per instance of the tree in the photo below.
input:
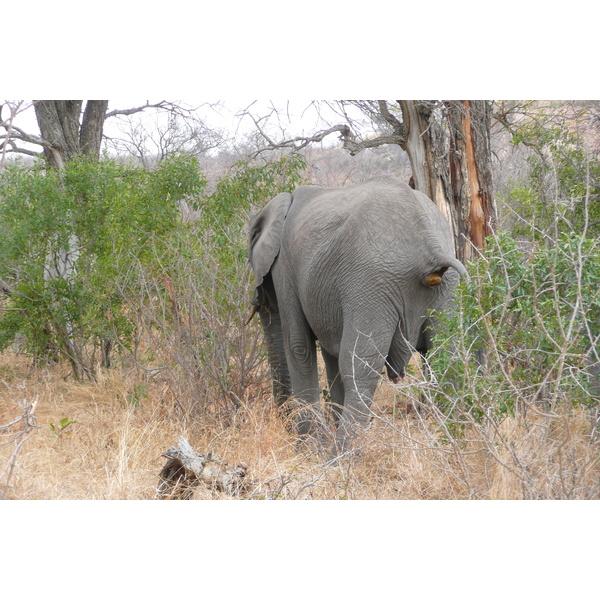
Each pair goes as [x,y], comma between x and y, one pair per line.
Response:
[68,131]
[448,145]
[69,241]
[63,136]
[152,139]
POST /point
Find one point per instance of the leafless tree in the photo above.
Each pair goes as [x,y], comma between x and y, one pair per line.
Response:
[162,134]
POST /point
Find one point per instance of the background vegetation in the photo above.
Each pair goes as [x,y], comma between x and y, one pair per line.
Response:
[141,336]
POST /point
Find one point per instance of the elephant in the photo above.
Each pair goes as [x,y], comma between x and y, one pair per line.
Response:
[359,269]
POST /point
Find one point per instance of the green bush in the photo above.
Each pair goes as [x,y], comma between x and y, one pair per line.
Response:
[196,329]
[68,240]
[226,210]
[524,323]
[136,270]
[561,191]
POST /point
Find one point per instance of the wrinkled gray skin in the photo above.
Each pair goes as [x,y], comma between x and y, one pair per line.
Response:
[349,267]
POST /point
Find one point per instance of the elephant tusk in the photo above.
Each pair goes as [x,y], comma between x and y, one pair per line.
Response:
[255,309]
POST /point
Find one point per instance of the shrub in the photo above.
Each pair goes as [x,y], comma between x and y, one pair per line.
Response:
[68,240]
[526,327]
[192,304]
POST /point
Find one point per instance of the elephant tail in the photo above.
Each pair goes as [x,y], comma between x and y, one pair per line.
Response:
[457,266]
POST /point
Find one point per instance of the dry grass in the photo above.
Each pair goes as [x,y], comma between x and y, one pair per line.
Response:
[113,448]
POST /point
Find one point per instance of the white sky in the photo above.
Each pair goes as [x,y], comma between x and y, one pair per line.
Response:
[296,117]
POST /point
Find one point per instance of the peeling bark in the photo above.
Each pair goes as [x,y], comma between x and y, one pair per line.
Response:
[426,144]
[472,186]
[448,147]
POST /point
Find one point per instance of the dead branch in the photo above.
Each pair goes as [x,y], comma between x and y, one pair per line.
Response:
[18,439]
[5,288]
[162,105]
[16,133]
[186,469]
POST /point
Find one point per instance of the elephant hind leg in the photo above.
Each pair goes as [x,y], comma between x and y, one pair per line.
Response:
[336,386]
[362,357]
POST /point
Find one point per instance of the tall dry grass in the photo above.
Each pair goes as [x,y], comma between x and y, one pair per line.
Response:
[112,449]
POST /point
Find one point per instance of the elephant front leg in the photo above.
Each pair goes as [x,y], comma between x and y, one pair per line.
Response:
[271,322]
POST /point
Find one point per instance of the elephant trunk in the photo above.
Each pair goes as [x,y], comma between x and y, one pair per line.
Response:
[271,323]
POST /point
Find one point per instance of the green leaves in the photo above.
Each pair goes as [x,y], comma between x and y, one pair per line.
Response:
[532,312]
[226,210]
[248,185]
[61,428]
[77,247]
[68,239]
[562,187]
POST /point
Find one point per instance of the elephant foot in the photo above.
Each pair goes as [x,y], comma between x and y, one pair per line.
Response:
[394,375]
[320,444]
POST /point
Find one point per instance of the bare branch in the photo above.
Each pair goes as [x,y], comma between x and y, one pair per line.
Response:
[7,143]
[163,105]
[299,142]
[18,439]
[378,112]
[12,148]
[5,288]
[355,147]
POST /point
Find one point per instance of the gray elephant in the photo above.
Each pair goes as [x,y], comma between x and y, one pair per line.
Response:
[358,269]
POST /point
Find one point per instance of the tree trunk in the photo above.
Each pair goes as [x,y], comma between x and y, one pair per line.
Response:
[66,137]
[60,124]
[448,145]
[90,138]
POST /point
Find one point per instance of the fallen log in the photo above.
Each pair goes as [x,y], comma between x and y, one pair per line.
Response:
[185,469]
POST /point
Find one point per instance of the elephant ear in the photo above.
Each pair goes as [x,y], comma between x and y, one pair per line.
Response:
[265,236]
